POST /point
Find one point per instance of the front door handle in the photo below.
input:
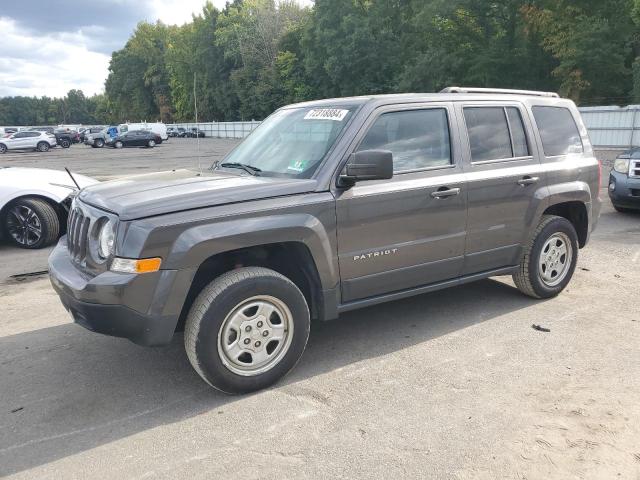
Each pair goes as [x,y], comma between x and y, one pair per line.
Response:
[444,192]
[524,181]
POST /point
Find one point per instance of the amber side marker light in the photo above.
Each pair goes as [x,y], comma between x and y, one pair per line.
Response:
[134,265]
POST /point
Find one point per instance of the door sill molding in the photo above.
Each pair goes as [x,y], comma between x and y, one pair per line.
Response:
[389,297]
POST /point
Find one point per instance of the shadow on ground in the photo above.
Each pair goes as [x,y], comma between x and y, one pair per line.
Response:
[68,390]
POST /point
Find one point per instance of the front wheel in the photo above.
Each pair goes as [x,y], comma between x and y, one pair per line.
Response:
[549,258]
[118,144]
[3,148]
[99,143]
[247,329]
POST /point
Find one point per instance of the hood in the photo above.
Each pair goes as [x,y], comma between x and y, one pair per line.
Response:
[44,176]
[178,190]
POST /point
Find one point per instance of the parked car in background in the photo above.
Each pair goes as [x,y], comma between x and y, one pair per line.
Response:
[28,140]
[182,132]
[96,137]
[42,129]
[158,128]
[33,211]
[624,181]
[134,138]
[330,206]
[66,137]
[6,131]
[172,132]
[195,132]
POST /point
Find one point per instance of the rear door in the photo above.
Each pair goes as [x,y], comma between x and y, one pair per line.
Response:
[31,139]
[504,181]
[407,231]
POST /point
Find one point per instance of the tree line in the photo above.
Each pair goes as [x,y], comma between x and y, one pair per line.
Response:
[253,56]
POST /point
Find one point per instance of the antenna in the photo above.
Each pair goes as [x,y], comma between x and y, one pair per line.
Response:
[195,107]
[74,180]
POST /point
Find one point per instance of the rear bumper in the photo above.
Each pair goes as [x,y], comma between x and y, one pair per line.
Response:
[143,308]
[627,190]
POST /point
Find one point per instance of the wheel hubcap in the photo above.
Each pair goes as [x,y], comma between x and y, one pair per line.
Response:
[555,259]
[255,336]
[23,225]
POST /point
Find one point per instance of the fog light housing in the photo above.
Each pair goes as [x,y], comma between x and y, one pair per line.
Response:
[612,186]
[135,265]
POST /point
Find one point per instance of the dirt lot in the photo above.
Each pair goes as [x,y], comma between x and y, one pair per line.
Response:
[454,384]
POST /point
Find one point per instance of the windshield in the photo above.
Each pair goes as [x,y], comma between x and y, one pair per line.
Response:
[292,142]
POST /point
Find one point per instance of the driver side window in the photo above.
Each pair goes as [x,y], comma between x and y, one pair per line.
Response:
[418,139]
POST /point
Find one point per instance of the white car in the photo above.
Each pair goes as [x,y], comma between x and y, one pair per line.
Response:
[33,210]
[28,140]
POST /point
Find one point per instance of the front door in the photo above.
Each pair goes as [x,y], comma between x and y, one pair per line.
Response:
[504,180]
[407,231]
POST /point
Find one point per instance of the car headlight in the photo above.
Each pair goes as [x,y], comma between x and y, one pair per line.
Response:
[621,165]
[106,239]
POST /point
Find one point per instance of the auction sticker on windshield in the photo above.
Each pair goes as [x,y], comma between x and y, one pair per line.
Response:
[335,114]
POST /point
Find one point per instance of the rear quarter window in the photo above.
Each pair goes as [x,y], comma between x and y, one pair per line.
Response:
[558,131]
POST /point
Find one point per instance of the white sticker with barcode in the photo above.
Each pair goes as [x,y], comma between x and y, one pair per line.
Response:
[335,114]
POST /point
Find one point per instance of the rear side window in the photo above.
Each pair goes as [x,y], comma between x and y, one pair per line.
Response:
[558,130]
[418,139]
[495,133]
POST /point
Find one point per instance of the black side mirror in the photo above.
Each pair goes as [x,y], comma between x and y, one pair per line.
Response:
[367,165]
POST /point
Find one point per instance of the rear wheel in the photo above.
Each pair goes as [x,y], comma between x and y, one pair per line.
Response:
[549,259]
[43,147]
[151,143]
[246,330]
[64,143]
[3,148]
[31,223]
[99,143]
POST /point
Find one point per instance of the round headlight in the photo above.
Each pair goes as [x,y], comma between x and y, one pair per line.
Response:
[106,239]
[621,165]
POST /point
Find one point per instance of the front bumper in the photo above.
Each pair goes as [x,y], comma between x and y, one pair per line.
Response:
[143,308]
[627,190]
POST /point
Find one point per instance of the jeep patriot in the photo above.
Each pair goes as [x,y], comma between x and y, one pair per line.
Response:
[329,206]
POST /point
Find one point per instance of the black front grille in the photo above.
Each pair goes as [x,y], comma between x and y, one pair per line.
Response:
[78,234]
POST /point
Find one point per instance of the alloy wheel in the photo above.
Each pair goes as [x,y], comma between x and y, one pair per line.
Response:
[255,335]
[555,259]
[24,225]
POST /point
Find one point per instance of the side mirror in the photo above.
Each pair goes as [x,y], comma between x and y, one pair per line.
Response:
[367,165]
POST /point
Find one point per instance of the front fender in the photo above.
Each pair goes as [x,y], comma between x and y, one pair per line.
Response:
[195,244]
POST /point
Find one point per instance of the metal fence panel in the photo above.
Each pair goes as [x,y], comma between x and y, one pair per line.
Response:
[613,127]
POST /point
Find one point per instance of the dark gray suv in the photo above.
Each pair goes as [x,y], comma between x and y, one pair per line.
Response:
[327,207]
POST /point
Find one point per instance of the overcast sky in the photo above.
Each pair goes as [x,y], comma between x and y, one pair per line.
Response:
[48,47]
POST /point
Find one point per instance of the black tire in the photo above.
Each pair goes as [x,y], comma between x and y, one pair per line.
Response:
[3,148]
[47,218]
[151,143]
[64,143]
[43,147]
[528,278]
[99,143]
[118,144]
[215,304]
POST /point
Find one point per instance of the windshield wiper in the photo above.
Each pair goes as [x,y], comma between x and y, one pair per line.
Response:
[247,168]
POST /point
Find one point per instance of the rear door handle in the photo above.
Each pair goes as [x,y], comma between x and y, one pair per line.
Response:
[444,192]
[524,181]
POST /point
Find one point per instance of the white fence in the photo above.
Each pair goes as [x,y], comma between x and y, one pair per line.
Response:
[613,127]
[221,129]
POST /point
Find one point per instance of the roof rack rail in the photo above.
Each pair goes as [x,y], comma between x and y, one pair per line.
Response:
[504,91]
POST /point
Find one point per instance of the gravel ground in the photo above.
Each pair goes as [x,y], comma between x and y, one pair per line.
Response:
[454,384]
